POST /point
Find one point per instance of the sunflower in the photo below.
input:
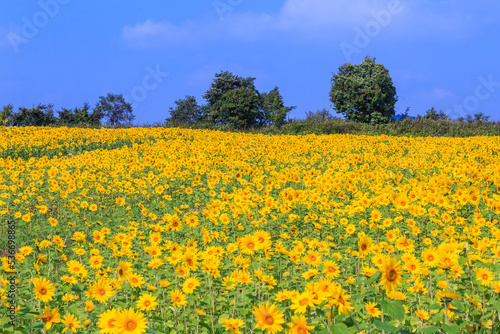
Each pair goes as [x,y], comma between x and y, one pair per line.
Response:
[96,261]
[248,244]
[101,290]
[49,317]
[485,276]
[147,302]
[44,290]
[233,325]
[130,322]
[430,257]
[422,314]
[268,318]
[372,310]
[302,302]
[72,323]
[391,274]
[331,269]
[299,325]
[76,268]
[190,285]
[365,245]
[178,298]
[107,322]
[89,306]
[135,280]
[123,270]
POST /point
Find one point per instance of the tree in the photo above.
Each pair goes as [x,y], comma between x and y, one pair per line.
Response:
[273,107]
[6,115]
[234,100]
[115,109]
[239,108]
[80,116]
[41,115]
[318,116]
[434,115]
[221,104]
[364,93]
[187,111]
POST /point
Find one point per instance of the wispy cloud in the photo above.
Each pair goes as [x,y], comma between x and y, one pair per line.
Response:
[438,94]
[313,20]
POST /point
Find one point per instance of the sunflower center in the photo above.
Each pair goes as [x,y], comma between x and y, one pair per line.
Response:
[120,272]
[147,303]
[301,330]
[101,291]
[130,325]
[269,320]
[190,285]
[431,258]
[189,262]
[250,245]
[485,276]
[43,291]
[392,274]
[111,322]
[364,247]
[304,301]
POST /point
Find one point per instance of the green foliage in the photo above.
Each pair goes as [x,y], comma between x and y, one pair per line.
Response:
[187,111]
[79,116]
[434,115]
[233,101]
[364,93]
[6,115]
[318,116]
[114,109]
[41,115]
[273,107]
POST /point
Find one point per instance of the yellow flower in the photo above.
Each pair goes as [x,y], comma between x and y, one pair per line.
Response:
[268,318]
[190,285]
[178,298]
[233,325]
[299,325]
[130,322]
[391,274]
[44,290]
[146,302]
[72,323]
[107,321]
[372,310]
[89,306]
[49,317]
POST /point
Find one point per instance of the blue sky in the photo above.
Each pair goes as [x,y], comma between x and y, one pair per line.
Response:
[439,53]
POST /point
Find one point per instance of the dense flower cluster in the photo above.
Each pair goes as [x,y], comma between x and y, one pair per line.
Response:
[196,231]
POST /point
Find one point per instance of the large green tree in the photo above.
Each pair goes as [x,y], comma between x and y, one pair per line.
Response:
[233,100]
[186,111]
[364,93]
[114,109]
[273,107]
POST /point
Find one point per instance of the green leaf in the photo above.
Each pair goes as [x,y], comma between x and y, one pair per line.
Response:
[451,329]
[385,326]
[339,329]
[458,305]
[429,329]
[394,308]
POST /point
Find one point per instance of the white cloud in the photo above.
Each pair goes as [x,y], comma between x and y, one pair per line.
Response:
[438,94]
[313,20]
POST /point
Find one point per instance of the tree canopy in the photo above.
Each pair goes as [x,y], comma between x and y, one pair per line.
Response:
[364,93]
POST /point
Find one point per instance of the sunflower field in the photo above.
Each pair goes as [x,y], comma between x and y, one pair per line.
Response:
[156,230]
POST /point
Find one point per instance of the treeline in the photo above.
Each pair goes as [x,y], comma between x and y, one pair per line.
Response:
[363,94]
[111,109]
